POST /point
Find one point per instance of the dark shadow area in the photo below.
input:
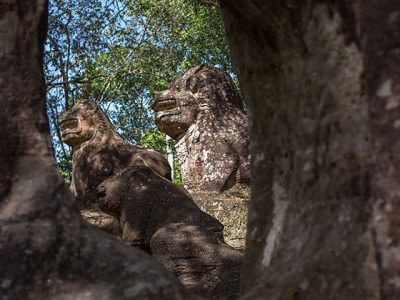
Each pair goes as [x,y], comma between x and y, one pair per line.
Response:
[160,217]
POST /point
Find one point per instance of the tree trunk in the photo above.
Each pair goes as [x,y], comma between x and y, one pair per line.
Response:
[322,86]
[46,250]
[170,156]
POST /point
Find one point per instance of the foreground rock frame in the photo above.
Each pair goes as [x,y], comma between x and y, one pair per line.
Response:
[321,80]
[46,250]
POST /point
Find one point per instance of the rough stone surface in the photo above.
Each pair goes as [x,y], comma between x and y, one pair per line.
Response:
[99,151]
[230,208]
[320,79]
[93,215]
[161,218]
[46,250]
[201,110]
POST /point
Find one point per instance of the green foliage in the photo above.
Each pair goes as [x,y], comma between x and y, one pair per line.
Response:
[177,172]
[155,139]
[118,52]
[64,167]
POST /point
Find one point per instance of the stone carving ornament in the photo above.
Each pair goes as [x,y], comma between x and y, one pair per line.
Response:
[202,111]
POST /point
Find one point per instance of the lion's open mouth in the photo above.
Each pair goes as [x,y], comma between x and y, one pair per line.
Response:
[170,112]
[69,124]
[165,107]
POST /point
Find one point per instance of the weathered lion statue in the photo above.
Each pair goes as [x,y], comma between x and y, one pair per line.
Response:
[99,151]
[202,111]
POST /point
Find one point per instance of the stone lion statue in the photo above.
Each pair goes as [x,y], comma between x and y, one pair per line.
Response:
[99,151]
[202,111]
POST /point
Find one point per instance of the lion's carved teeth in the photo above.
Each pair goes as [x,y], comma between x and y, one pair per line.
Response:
[165,104]
[170,112]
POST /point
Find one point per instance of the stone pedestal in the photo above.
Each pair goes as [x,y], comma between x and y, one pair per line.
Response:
[230,208]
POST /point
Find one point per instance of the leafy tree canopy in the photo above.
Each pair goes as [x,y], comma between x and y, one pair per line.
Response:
[118,52]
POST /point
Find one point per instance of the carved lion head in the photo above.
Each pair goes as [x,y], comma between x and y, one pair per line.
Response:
[200,89]
[80,122]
